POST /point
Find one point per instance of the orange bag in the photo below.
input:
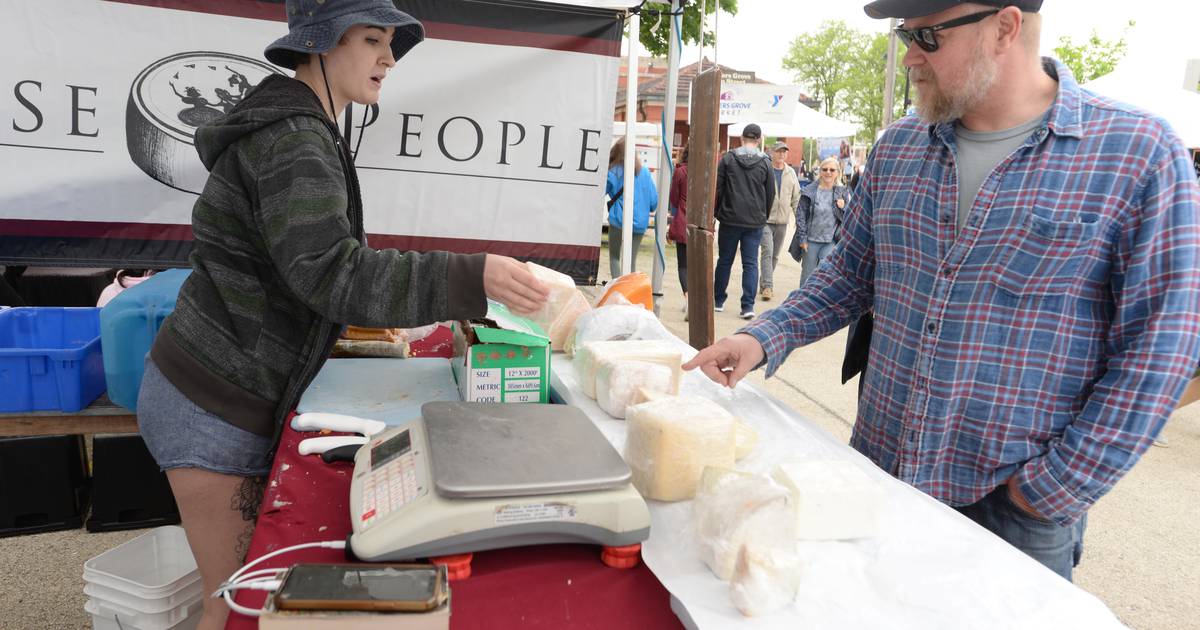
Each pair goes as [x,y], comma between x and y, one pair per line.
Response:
[633,288]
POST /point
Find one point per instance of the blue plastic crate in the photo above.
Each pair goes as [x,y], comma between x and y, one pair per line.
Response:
[50,359]
[128,325]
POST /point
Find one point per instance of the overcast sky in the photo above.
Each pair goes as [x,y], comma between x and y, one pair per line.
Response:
[757,38]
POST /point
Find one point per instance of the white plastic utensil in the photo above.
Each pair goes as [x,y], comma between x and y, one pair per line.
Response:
[318,421]
[318,445]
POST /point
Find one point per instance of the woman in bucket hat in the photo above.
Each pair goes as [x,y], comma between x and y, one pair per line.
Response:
[280,264]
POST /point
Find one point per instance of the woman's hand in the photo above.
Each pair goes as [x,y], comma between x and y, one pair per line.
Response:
[510,282]
[841,204]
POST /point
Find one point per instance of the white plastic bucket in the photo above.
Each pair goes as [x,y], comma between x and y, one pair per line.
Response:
[108,617]
[153,566]
[187,592]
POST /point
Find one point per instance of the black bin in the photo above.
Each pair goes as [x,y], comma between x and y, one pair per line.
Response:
[128,489]
[43,484]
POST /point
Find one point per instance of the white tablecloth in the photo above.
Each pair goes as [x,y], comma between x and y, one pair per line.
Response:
[931,568]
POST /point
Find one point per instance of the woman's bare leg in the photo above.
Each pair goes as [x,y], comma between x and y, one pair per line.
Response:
[218,513]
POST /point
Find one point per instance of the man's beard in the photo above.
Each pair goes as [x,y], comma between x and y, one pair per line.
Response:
[937,105]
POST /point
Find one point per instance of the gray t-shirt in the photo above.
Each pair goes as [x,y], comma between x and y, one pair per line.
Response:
[979,152]
[824,223]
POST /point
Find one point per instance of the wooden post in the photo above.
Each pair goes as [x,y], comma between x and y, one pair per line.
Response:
[703,152]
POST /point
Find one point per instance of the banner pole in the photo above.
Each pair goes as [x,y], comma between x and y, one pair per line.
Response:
[631,82]
[666,171]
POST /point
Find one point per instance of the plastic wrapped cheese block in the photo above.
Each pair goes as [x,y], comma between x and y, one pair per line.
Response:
[616,322]
[732,509]
[562,329]
[564,305]
[669,442]
[713,476]
[746,439]
[766,578]
[588,355]
[831,499]
[618,382]
[645,394]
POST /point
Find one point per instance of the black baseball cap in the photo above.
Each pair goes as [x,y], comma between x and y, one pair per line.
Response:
[904,9]
[752,131]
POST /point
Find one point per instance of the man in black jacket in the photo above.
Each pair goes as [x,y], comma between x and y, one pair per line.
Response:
[745,192]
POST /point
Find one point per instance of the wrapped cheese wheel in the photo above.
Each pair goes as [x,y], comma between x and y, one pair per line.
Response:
[669,442]
[588,356]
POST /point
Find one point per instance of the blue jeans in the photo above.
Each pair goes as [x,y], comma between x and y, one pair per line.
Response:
[1056,546]
[729,237]
[813,256]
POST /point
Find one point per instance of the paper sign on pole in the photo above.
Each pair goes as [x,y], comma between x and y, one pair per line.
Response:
[757,103]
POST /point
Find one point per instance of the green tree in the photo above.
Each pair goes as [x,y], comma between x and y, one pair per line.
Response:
[821,61]
[846,70]
[864,84]
[656,24]
[1094,58]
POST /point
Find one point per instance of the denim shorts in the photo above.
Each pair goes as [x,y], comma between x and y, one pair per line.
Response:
[180,434]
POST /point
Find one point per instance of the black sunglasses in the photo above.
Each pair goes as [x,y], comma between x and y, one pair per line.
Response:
[926,37]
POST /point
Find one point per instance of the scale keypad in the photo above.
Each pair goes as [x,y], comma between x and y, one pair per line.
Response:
[389,488]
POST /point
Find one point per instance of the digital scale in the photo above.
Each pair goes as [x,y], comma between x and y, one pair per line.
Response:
[472,476]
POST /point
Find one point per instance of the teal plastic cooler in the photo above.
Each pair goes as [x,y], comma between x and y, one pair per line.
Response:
[128,325]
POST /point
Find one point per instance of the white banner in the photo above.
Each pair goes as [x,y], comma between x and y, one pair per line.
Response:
[758,103]
[486,138]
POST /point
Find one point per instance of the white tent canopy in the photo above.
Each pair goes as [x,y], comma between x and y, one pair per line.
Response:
[806,123]
[1179,107]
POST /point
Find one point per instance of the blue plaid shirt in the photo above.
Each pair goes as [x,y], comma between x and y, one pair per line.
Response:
[1050,338]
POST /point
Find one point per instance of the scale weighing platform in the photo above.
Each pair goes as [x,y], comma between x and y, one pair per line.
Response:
[472,476]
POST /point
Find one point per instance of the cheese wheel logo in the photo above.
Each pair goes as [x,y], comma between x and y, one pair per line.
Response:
[174,96]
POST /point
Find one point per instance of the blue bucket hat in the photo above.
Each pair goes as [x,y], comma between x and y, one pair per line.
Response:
[315,26]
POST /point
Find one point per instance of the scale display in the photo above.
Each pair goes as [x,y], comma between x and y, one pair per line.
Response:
[391,449]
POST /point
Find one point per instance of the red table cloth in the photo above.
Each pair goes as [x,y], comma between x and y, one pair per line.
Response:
[547,586]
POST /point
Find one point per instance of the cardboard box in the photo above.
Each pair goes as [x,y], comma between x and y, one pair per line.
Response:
[507,359]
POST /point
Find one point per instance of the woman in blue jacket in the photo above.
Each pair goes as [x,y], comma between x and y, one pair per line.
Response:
[645,200]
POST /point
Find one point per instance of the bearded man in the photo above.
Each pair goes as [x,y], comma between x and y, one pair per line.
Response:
[1031,254]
